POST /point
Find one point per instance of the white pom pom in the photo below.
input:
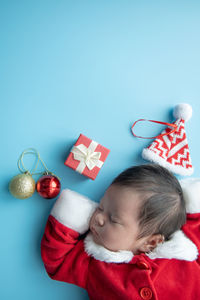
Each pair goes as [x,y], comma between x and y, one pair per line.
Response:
[183,111]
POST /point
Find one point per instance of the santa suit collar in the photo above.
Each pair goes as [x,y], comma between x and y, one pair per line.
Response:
[178,247]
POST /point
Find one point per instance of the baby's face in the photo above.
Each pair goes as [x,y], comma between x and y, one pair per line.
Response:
[114,224]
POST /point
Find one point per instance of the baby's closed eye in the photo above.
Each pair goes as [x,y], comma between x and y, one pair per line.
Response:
[114,220]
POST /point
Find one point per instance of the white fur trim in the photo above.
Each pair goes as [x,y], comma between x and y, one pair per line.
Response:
[191,193]
[178,247]
[103,254]
[150,155]
[182,111]
[73,210]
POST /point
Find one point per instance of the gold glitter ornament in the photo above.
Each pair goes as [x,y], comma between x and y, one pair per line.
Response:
[22,186]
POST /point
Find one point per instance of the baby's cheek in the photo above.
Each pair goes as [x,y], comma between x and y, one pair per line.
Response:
[113,234]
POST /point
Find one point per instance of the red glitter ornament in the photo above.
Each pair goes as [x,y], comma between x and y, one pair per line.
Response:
[48,186]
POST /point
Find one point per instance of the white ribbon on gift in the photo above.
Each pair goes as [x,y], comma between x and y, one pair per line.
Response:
[87,156]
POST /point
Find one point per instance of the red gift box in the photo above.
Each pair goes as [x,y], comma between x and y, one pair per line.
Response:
[87,157]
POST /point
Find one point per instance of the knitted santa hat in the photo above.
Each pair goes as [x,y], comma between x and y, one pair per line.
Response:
[171,150]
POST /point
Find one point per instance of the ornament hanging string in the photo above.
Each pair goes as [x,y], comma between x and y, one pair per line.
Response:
[20,162]
[158,122]
[23,169]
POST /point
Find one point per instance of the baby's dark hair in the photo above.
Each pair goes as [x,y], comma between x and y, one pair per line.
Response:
[162,209]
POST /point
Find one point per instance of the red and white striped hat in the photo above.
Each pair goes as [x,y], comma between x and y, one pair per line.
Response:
[171,150]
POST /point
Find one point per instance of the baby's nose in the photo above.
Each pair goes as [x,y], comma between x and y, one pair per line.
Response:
[100,219]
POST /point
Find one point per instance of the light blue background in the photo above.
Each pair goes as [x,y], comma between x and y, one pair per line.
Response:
[91,67]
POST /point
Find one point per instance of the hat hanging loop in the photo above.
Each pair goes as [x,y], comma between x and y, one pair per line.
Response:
[158,122]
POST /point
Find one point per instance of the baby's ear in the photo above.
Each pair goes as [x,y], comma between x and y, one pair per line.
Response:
[151,242]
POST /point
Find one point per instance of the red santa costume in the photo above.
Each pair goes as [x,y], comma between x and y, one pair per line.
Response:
[170,271]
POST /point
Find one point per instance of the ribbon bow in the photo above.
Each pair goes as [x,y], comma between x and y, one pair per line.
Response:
[86,156]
